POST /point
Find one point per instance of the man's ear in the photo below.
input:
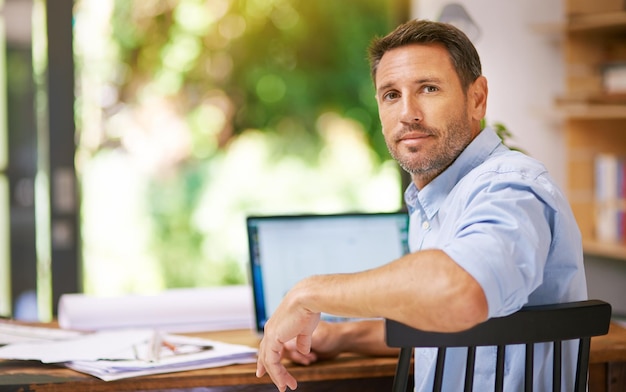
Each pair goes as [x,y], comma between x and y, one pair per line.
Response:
[477,98]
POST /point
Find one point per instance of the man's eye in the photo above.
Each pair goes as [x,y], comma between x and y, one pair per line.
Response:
[430,89]
[390,95]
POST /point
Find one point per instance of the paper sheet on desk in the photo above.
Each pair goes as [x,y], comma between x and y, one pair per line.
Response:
[109,345]
[177,310]
[16,332]
[112,355]
[221,354]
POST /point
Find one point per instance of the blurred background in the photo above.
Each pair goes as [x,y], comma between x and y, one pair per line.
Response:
[187,116]
[137,135]
[193,114]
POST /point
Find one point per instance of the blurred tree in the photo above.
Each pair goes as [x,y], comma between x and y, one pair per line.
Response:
[260,61]
[212,70]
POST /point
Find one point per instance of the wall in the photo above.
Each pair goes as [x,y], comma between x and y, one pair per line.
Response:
[524,67]
[606,279]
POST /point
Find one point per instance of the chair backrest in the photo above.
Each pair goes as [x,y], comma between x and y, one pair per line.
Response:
[533,324]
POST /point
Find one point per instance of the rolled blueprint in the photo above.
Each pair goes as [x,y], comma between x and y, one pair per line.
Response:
[177,310]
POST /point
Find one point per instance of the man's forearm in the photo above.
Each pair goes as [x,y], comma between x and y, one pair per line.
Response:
[425,290]
[365,337]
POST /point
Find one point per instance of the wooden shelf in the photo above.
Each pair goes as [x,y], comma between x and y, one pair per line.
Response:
[592,106]
[604,249]
[600,22]
[589,111]
[591,40]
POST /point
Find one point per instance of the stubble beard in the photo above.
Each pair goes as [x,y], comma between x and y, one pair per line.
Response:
[428,164]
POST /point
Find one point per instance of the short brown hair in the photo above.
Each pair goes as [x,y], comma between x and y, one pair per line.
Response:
[462,52]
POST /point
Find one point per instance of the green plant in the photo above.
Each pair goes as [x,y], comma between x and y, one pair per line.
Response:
[503,132]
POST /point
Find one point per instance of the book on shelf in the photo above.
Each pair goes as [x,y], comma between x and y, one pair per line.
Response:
[610,197]
[614,78]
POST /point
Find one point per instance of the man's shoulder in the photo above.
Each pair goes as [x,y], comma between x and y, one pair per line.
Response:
[509,163]
[512,169]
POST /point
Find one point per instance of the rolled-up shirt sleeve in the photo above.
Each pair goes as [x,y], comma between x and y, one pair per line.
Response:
[502,238]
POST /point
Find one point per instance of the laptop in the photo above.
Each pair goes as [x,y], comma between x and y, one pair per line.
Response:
[288,248]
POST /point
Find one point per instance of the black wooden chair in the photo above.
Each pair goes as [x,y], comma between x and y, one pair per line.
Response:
[533,324]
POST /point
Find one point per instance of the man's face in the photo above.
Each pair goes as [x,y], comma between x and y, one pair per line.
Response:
[424,112]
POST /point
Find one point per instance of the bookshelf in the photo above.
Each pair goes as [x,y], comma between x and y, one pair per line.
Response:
[594,109]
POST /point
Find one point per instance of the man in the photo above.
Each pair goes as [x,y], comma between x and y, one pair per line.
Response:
[489,230]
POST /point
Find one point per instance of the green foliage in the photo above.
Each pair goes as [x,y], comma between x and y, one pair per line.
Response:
[273,59]
[232,66]
[503,132]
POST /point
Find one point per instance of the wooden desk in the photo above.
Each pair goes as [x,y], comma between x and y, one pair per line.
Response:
[607,373]
[607,361]
[346,373]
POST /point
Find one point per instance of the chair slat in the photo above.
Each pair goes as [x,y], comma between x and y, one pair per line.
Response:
[556,366]
[500,368]
[582,366]
[529,367]
[441,360]
[469,369]
[402,370]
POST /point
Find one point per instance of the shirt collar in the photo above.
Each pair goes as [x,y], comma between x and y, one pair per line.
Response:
[433,194]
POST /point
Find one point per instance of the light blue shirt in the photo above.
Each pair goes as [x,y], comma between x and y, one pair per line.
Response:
[499,215]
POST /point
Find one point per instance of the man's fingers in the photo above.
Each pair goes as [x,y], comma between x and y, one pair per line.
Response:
[278,332]
[290,352]
[303,343]
[260,369]
[269,362]
[280,377]
[283,379]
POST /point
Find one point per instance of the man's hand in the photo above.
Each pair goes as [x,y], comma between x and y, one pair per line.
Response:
[289,321]
[326,343]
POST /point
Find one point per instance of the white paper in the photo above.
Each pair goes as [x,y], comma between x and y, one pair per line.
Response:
[14,332]
[112,355]
[221,354]
[90,347]
[179,310]
[105,375]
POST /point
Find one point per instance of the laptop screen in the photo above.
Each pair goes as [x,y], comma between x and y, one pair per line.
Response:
[285,249]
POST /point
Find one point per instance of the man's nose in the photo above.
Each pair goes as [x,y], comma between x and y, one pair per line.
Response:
[411,111]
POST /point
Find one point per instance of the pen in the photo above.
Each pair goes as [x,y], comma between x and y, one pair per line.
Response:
[180,349]
[169,346]
[158,343]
